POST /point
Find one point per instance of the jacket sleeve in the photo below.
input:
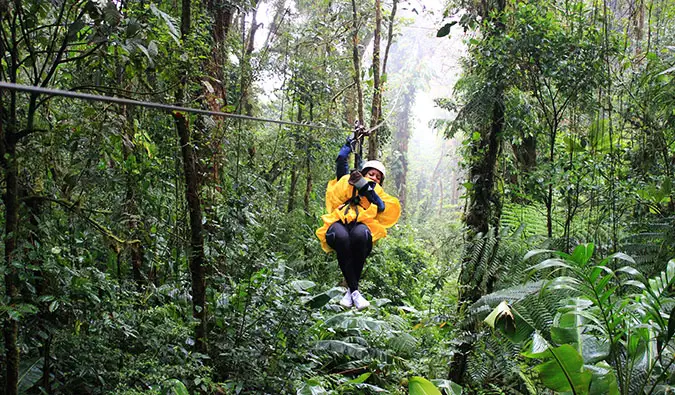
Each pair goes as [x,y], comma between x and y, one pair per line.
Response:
[342,161]
[368,191]
[338,192]
[392,210]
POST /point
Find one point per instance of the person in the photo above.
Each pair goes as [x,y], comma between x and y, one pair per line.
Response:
[359,213]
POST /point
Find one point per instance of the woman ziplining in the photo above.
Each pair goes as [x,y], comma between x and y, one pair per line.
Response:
[359,213]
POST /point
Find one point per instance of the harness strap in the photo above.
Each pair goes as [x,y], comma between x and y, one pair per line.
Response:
[355,200]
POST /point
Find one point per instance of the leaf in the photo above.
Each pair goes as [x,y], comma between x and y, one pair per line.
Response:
[628,270]
[445,30]
[671,325]
[666,71]
[342,347]
[564,371]
[603,381]
[450,387]
[620,256]
[634,283]
[403,343]
[593,349]
[302,285]
[583,253]
[170,23]
[549,263]
[74,28]
[350,320]
[152,49]
[174,387]
[144,50]
[30,375]
[501,309]
[532,253]
[421,386]
[361,379]
[312,387]
[322,299]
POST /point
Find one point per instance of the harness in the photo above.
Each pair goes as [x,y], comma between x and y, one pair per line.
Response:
[357,148]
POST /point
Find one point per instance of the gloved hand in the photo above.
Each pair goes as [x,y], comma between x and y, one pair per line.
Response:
[351,143]
[357,179]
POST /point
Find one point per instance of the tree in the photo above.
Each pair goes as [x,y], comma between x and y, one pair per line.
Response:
[484,206]
[197,259]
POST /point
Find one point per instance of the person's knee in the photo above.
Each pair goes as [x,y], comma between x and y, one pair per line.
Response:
[337,236]
[361,236]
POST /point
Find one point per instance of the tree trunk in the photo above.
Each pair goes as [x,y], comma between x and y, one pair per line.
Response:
[247,72]
[308,163]
[293,190]
[356,59]
[402,138]
[480,216]
[192,185]
[308,181]
[130,213]
[10,200]
[196,258]
[549,195]
[376,107]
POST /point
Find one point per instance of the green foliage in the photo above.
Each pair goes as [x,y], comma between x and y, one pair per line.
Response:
[597,342]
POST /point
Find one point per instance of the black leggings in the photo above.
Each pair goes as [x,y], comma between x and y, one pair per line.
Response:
[352,243]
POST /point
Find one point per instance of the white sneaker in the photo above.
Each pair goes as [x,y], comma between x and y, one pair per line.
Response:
[347,300]
[359,301]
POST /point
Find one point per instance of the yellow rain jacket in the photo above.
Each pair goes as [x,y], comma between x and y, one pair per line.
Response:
[338,192]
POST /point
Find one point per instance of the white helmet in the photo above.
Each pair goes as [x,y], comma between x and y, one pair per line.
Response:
[373,164]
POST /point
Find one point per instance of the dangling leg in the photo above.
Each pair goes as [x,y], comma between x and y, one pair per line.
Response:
[361,241]
[337,238]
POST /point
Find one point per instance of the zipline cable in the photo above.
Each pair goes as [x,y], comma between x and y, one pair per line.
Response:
[159,106]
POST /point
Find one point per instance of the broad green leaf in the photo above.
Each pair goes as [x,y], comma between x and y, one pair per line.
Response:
[450,387]
[532,253]
[666,71]
[502,308]
[628,270]
[403,343]
[670,270]
[322,299]
[174,387]
[593,349]
[603,381]
[342,347]
[421,386]
[30,374]
[312,387]
[671,325]
[550,263]
[563,370]
[350,320]
[634,283]
[621,256]
[583,253]
[170,22]
[302,285]
[445,30]
[508,321]
[361,379]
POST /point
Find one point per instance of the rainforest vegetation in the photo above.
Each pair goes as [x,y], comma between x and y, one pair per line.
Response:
[147,250]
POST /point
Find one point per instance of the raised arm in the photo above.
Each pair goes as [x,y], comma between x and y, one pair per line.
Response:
[342,161]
